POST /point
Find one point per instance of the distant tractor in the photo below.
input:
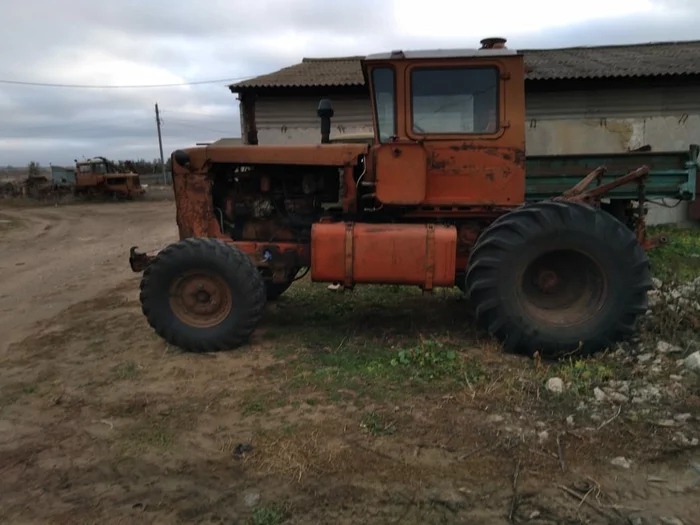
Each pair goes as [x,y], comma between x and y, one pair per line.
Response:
[98,176]
[438,197]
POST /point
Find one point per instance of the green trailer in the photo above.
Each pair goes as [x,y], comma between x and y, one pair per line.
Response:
[672,174]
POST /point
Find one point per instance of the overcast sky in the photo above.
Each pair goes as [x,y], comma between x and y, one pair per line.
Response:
[127,42]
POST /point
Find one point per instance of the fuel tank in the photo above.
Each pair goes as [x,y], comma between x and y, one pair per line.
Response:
[407,254]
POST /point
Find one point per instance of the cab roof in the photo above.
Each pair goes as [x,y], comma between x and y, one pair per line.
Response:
[441,53]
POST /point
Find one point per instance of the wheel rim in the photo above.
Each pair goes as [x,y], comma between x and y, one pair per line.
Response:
[200,299]
[563,287]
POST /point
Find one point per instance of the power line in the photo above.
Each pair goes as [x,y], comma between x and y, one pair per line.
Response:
[135,86]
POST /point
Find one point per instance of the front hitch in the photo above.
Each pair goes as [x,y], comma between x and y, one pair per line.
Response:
[140,261]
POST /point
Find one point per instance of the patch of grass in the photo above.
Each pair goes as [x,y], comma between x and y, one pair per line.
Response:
[371,343]
[30,389]
[126,371]
[375,424]
[398,312]
[679,260]
[153,430]
[155,433]
[373,369]
[267,516]
[582,375]
[254,407]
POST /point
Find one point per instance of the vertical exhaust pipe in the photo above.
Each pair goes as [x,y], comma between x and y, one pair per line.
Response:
[325,112]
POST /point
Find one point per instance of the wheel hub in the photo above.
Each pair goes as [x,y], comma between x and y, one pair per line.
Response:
[201,299]
[563,287]
[547,281]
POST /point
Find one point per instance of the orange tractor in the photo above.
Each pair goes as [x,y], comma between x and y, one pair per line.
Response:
[99,176]
[437,199]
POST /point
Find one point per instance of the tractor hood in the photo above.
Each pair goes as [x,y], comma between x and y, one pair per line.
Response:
[309,155]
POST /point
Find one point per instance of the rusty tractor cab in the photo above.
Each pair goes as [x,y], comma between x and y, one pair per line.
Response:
[99,176]
[435,200]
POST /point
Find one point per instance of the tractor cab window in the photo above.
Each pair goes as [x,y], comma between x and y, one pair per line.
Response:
[454,100]
[99,167]
[384,98]
[85,168]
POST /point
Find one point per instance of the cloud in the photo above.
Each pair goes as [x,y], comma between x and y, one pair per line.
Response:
[117,42]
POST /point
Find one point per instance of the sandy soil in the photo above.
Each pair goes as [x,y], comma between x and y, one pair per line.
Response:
[102,422]
[64,254]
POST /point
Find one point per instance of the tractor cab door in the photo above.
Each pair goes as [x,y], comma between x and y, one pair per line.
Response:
[400,165]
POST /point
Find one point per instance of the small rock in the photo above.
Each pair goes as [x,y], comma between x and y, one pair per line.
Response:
[596,417]
[675,377]
[637,520]
[570,421]
[667,348]
[646,393]
[670,521]
[617,397]
[495,418]
[658,283]
[543,436]
[540,424]
[555,384]
[692,362]
[534,514]
[452,499]
[643,358]
[599,394]
[682,418]
[680,437]
[251,498]
[666,423]
[621,462]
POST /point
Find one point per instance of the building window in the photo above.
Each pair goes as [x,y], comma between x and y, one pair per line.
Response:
[454,100]
[384,97]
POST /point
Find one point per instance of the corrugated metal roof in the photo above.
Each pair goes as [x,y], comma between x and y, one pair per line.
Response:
[638,60]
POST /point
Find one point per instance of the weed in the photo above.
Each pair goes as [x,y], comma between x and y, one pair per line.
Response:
[30,389]
[267,516]
[428,361]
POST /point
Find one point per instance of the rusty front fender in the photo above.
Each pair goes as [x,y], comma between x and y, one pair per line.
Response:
[140,261]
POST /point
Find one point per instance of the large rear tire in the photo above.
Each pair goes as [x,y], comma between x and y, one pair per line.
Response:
[203,295]
[558,278]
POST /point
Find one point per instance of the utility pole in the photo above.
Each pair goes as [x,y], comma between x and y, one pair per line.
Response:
[160,145]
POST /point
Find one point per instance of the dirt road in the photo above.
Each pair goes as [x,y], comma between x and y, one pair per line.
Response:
[52,257]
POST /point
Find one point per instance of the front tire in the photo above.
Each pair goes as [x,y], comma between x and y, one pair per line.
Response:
[203,295]
[558,278]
